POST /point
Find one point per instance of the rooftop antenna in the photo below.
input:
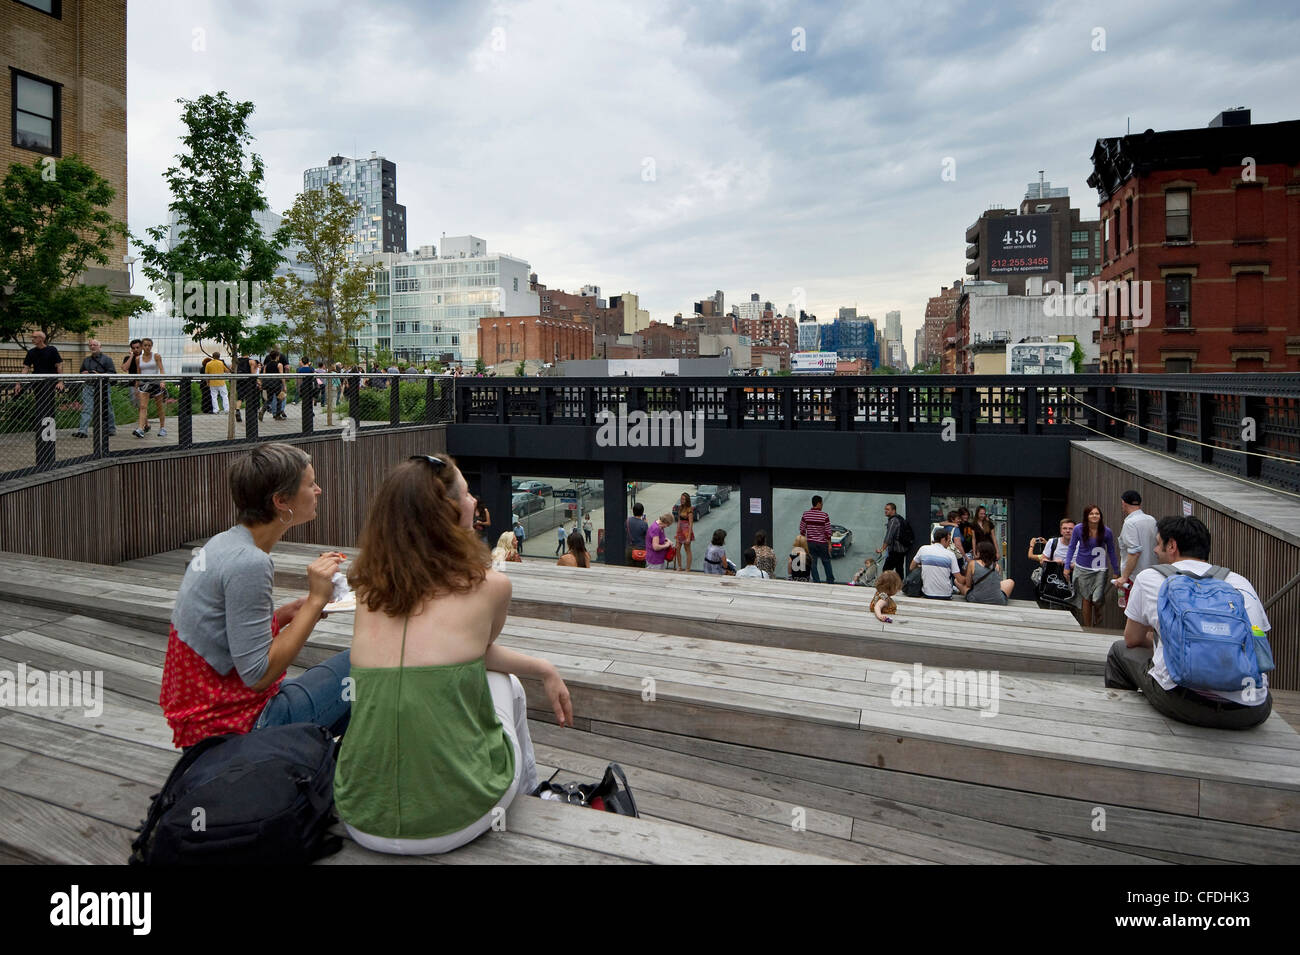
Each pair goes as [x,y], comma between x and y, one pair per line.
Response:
[1128,125]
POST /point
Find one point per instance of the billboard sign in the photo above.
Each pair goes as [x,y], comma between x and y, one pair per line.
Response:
[813,362]
[1020,245]
[1040,358]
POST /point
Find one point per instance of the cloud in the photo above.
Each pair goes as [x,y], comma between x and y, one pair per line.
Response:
[530,123]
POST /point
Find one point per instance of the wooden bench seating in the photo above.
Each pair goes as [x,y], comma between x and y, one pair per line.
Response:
[820,722]
[1020,638]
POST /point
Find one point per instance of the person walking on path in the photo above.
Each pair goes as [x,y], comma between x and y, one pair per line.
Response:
[150,366]
[1137,540]
[764,556]
[685,533]
[815,526]
[520,536]
[220,393]
[1092,546]
[561,533]
[587,527]
[96,363]
[892,546]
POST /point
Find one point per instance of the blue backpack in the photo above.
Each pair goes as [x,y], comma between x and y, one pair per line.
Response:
[1208,640]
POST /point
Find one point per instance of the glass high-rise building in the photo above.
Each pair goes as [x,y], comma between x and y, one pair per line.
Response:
[852,337]
[429,305]
[380,223]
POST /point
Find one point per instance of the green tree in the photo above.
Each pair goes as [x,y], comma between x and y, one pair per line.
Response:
[324,314]
[54,222]
[1076,357]
[216,188]
[480,366]
[521,369]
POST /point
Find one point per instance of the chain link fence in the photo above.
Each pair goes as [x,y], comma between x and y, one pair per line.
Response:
[54,421]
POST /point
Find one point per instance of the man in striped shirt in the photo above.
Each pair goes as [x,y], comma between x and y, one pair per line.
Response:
[816,526]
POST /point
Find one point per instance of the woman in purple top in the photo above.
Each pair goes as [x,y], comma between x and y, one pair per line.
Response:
[1091,545]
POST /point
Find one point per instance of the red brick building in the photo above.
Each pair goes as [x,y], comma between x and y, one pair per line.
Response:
[668,341]
[770,329]
[782,351]
[532,338]
[939,311]
[1211,219]
[555,303]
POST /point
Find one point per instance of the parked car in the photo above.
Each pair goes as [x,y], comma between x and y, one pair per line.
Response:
[537,487]
[841,540]
[525,503]
[716,493]
[702,505]
[514,485]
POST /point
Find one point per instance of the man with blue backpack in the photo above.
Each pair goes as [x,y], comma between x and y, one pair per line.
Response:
[1210,658]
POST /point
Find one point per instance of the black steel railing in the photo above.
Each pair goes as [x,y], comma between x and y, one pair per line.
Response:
[49,422]
[1244,424]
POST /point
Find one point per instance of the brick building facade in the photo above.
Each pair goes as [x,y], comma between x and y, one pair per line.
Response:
[533,338]
[939,311]
[1217,238]
[668,341]
[71,63]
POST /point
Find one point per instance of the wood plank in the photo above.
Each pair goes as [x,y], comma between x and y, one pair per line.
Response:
[51,835]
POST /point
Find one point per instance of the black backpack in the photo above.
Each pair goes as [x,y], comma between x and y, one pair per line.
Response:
[265,797]
[906,539]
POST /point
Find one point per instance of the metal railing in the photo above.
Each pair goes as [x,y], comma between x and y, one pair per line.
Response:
[49,422]
[1243,424]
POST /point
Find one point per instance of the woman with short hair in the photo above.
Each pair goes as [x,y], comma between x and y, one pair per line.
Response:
[577,554]
[438,746]
[229,646]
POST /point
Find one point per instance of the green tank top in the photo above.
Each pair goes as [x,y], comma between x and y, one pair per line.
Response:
[424,754]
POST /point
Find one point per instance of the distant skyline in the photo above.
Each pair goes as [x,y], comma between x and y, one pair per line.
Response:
[675,149]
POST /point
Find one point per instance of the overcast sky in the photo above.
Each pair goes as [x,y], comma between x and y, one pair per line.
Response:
[671,149]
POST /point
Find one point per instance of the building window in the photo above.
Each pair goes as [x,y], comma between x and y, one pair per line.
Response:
[1128,218]
[1079,238]
[53,7]
[1178,215]
[1081,271]
[1078,253]
[1178,301]
[36,113]
[1178,366]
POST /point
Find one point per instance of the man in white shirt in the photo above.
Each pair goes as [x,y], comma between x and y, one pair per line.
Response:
[1135,663]
[750,569]
[1137,538]
[938,567]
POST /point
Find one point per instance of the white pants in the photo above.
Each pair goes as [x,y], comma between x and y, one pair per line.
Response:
[512,710]
[224,395]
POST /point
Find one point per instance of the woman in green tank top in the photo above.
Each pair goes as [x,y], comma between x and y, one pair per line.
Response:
[438,743]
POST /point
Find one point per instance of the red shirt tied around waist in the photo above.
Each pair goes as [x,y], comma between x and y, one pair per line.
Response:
[816,526]
[199,702]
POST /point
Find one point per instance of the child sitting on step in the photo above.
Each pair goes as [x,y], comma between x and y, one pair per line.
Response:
[882,604]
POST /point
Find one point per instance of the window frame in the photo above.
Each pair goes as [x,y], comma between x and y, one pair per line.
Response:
[1187,237]
[56,8]
[1186,321]
[56,130]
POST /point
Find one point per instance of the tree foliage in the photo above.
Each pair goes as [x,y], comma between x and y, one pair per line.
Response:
[325,313]
[216,188]
[54,222]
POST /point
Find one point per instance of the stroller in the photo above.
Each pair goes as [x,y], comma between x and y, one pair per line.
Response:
[867,575]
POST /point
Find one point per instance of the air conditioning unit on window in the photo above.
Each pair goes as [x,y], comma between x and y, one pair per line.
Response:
[1126,324]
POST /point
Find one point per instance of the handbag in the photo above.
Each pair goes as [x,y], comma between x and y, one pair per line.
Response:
[670,553]
[638,553]
[912,583]
[611,794]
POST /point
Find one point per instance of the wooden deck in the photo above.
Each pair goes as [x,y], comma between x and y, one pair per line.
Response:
[747,752]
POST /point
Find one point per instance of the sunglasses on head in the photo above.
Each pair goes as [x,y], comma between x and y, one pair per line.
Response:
[437,463]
